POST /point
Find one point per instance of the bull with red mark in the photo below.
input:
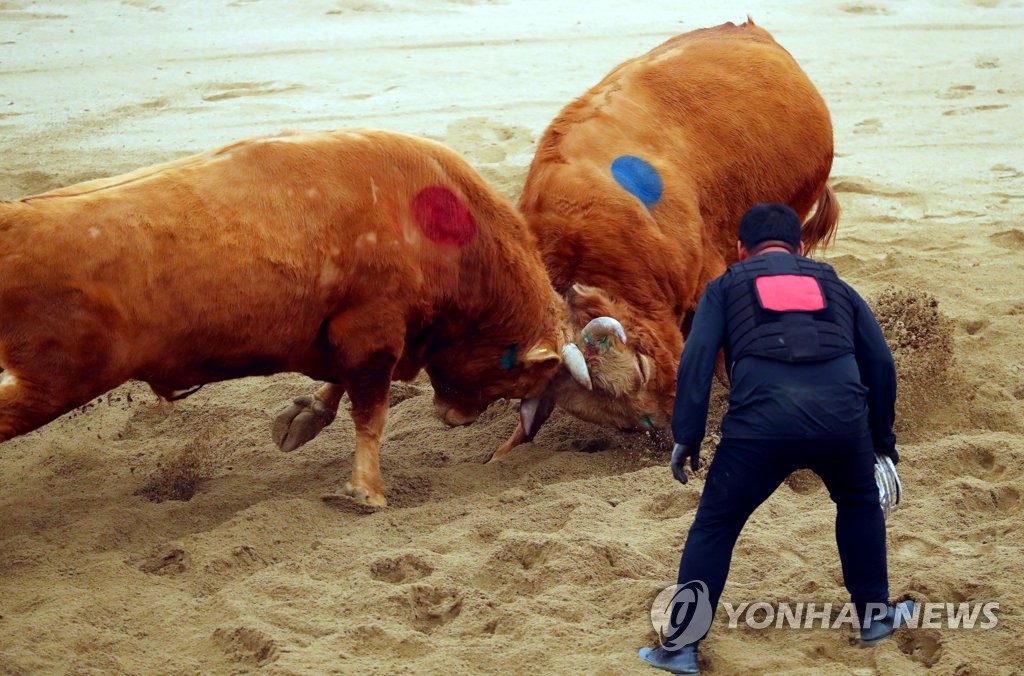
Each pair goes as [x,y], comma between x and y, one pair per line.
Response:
[354,257]
[635,195]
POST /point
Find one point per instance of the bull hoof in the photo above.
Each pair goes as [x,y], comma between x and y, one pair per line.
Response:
[365,496]
[300,422]
[498,454]
[346,503]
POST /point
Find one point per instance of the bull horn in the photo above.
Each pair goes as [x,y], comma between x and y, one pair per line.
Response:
[577,364]
[603,326]
[533,412]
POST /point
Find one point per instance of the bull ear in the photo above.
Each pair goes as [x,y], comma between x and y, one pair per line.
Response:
[582,293]
[645,367]
[540,353]
[586,303]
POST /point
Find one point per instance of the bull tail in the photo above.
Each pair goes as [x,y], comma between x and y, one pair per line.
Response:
[820,229]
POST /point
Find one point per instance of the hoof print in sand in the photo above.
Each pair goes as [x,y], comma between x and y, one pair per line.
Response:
[247,645]
[1009,239]
[672,505]
[400,569]
[869,126]
[220,91]
[168,562]
[242,557]
[434,606]
[921,645]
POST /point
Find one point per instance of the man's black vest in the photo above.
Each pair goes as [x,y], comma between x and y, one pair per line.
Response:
[787,308]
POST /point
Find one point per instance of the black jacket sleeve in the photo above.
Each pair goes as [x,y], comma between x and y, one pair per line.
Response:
[877,373]
[697,367]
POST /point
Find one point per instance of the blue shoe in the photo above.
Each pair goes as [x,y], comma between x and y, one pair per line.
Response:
[682,661]
[881,629]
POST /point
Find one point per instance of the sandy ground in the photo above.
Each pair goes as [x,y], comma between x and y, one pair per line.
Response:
[547,561]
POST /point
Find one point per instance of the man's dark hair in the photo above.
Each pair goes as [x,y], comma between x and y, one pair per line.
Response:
[770,222]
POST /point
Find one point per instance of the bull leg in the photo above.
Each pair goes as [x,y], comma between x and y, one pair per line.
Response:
[367,484]
[369,387]
[306,416]
[369,341]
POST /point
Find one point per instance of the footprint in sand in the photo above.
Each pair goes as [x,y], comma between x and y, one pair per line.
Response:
[501,152]
[981,463]
[1009,239]
[974,326]
[672,505]
[863,186]
[1014,309]
[1006,499]
[143,4]
[400,569]
[956,92]
[793,556]
[975,109]
[886,203]
[921,645]
[1005,171]
[247,645]
[165,562]
[220,91]
[858,8]
[12,11]
[488,141]
[135,108]
[245,559]
[869,126]
[913,548]
[983,499]
[358,8]
[433,606]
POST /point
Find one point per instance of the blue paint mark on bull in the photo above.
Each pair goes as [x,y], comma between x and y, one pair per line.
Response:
[508,359]
[639,179]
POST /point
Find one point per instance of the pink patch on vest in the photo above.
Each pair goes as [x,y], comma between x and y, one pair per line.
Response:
[790,293]
[442,216]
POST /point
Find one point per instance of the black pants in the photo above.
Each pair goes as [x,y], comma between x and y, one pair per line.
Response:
[745,472]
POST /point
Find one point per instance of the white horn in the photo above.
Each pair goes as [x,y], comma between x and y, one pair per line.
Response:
[604,326]
[573,358]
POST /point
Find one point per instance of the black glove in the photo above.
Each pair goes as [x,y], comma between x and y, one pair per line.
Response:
[680,453]
[894,455]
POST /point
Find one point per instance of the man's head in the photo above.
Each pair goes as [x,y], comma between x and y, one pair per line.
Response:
[769,225]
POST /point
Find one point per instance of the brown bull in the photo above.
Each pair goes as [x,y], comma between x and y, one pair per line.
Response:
[635,196]
[354,257]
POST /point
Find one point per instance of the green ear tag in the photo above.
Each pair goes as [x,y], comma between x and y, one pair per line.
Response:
[508,360]
[646,421]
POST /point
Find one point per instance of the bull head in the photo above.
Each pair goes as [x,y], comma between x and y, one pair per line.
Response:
[600,356]
[608,379]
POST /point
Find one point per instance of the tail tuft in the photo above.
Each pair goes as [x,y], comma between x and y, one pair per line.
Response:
[820,229]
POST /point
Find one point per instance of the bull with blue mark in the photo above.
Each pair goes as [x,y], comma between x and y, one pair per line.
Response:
[635,195]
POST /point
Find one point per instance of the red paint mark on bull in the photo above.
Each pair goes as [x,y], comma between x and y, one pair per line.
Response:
[443,217]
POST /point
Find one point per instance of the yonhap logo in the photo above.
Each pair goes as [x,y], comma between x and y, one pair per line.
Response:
[682,614]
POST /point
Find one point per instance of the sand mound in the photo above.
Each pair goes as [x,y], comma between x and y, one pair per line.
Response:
[921,340]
